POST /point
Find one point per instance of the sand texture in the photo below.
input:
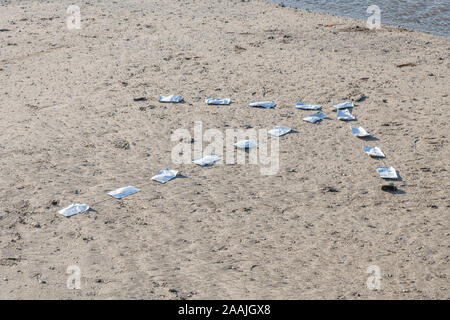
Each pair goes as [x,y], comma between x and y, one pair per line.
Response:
[70,131]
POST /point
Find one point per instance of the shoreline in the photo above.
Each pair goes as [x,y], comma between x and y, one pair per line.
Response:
[360,19]
[72,130]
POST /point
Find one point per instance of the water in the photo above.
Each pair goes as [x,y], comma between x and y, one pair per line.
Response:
[431,16]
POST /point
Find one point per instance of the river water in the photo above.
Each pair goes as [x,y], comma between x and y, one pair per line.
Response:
[431,16]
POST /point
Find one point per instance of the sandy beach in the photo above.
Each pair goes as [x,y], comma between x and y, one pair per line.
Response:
[71,131]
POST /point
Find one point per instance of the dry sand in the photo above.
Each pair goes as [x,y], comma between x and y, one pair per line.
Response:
[225,231]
